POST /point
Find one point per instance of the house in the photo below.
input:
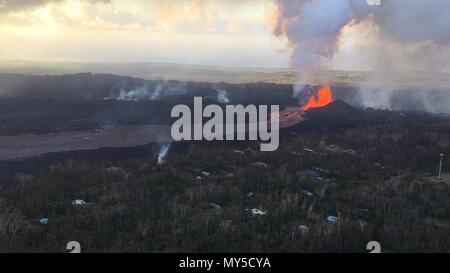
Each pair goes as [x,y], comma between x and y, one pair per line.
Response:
[258,212]
[78,202]
[363,213]
[260,164]
[309,174]
[332,219]
[303,228]
[215,206]
[205,173]
[307,193]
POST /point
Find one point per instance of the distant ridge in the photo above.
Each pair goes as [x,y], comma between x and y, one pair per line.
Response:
[172,71]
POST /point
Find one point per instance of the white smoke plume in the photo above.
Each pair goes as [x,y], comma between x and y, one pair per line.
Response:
[145,92]
[163,153]
[313,29]
[140,93]
[405,35]
[297,89]
[222,96]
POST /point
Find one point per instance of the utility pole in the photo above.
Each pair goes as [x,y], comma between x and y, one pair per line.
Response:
[439,178]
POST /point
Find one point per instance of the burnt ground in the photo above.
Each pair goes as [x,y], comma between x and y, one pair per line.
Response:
[63,134]
[40,116]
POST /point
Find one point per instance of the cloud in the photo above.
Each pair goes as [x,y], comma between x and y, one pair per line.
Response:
[188,16]
[20,5]
[182,31]
[7,6]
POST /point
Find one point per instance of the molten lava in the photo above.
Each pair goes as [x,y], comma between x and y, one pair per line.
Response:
[323,97]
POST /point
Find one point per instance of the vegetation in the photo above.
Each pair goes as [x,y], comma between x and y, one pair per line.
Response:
[376,178]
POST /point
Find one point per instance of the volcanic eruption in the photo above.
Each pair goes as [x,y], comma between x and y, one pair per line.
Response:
[322,98]
[293,115]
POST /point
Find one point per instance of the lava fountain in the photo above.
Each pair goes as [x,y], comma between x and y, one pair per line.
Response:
[322,98]
[293,115]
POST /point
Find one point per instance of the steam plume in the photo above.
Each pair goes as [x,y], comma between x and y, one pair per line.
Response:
[313,29]
[403,35]
[222,96]
[163,153]
[145,92]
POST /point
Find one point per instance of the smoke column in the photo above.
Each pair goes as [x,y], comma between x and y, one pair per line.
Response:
[313,29]
[405,35]
[222,96]
[161,89]
[163,153]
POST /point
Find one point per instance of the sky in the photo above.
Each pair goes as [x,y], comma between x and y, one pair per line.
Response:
[410,34]
[231,33]
[207,32]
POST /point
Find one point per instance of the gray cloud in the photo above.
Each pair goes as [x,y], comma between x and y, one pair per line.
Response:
[415,20]
[7,6]
[314,28]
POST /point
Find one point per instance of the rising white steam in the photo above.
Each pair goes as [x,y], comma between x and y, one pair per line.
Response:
[405,35]
[163,153]
[147,92]
[222,96]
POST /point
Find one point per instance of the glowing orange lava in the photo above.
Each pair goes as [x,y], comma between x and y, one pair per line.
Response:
[323,97]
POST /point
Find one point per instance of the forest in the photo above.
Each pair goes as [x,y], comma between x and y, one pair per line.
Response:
[321,191]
